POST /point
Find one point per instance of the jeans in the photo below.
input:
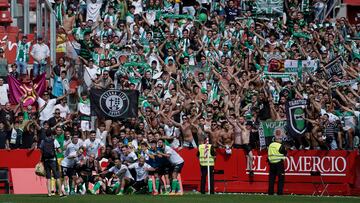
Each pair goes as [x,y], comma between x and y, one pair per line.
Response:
[38,69]
[188,10]
[21,67]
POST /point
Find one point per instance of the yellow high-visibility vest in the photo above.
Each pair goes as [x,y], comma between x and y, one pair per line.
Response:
[206,161]
[274,155]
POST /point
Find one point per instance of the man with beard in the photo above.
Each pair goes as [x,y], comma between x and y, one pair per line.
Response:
[141,169]
[177,162]
[186,130]
[71,154]
[226,140]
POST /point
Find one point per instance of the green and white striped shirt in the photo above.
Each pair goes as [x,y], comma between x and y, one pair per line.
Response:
[22,52]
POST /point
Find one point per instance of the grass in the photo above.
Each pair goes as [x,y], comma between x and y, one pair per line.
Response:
[193,198]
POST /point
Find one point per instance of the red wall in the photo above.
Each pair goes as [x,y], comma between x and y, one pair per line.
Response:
[341,170]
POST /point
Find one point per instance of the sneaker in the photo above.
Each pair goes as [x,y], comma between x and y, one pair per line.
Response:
[120,194]
[172,193]
[179,193]
[155,193]
[92,192]
[165,193]
[50,194]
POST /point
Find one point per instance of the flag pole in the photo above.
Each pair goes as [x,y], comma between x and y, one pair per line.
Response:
[208,165]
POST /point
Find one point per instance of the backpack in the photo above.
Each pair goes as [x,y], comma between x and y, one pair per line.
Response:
[48,148]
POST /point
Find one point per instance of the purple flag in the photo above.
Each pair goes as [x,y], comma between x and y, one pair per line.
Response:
[19,89]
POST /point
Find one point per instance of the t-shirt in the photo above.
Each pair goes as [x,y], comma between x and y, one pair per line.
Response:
[264,110]
[92,147]
[101,136]
[4,94]
[70,160]
[48,110]
[231,13]
[64,110]
[27,140]
[174,158]
[60,139]
[141,171]
[131,157]
[123,171]
[56,145]
[4,135]
[73,147]
[332,116]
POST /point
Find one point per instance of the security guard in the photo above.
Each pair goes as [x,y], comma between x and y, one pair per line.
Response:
[206,156]
[276,157]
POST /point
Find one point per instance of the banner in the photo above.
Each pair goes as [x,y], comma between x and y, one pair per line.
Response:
[333,68]
[266,131]
[344,83]
[25,90]
[269,6]
[295,113]
[275,61]
[296,66]
[114,104]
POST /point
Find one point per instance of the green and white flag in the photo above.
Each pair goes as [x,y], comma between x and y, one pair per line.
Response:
[269,6]
[300,66]
[344,83]
[267,129]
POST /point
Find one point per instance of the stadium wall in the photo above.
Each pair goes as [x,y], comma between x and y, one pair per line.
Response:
[340,170]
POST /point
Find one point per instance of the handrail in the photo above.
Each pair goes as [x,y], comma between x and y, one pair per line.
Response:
[39,26]
[330,5]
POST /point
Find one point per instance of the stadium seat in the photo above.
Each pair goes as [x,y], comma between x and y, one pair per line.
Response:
[4,177]
[12,30]
[4,4]
[32,4]
[320,187]
[2,29]
[5,17]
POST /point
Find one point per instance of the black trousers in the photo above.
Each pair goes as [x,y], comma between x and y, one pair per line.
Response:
[203,179]
[276,170]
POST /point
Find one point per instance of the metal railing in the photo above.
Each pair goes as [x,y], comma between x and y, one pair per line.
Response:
[330,8]
[45,24]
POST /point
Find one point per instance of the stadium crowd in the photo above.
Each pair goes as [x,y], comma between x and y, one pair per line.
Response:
[204,69]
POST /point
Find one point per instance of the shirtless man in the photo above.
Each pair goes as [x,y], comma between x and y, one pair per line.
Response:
[186,129]
[242,139]
[226,140]
[214,133]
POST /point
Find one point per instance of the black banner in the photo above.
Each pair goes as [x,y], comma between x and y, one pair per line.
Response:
[333,68]
[295,113]
[114,104]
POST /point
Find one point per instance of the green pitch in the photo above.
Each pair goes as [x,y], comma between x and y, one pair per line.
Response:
[227,198]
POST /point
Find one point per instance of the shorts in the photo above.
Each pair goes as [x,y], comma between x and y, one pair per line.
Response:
[245,147]
[191,144]
[164,169]
[51,166]
[86,179]
[177,168]
[65,171]
[85,126]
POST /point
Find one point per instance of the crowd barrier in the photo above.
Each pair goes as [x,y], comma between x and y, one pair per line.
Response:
[340,170]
